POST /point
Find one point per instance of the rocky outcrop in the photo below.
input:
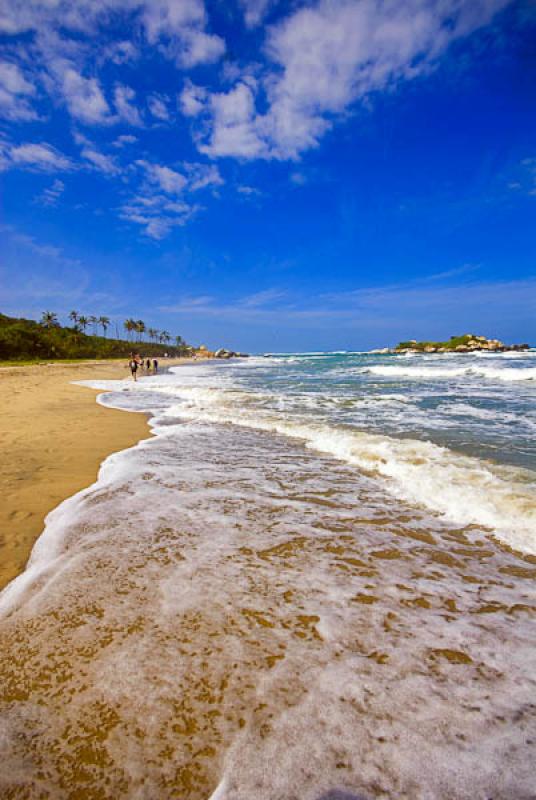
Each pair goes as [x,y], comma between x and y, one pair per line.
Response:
[469,343]
[223,353]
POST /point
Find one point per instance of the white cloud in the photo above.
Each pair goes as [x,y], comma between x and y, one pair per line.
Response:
[157,105]
[160,204]
[192,99]
[100,161]
[248,190]
[198,47]
[39,156]
[263,298]
[84,97]
[15,91]
[177,28]
[198,176]
[121,52]
[234,124]
[157,214]
[164,18]
[51,195]
[325,58]
[201,176]
[255,11]
[167,179]
[181,26]
[125,138]
[124,98]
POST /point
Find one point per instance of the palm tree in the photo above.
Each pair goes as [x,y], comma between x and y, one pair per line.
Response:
[83,322]
[105,322]
[93,321]
[128,325]
[140,328]
[49,320]
[164,337]
[179,341]
[153,334]
[73,316]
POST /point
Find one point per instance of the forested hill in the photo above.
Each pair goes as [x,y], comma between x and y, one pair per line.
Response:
[25,339]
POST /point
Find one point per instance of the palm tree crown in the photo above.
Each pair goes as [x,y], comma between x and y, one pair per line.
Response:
[104,322]
[49,319]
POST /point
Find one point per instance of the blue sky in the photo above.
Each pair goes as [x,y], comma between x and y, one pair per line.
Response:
[272,175]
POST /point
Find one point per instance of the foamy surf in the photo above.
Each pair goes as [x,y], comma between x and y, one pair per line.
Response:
[475,372]
[223,599]
[462,488]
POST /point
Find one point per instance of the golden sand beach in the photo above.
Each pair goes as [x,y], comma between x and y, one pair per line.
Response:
[54,437]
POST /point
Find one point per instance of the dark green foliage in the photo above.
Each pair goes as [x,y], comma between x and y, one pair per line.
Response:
[452,343]
[26,340]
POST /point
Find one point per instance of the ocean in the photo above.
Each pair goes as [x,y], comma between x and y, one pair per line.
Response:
[316,581]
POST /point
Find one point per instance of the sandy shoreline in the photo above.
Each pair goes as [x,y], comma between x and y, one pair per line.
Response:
[54,438]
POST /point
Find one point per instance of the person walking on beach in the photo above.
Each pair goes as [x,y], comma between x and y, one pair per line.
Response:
[148,365]
[155,366]
[133,364]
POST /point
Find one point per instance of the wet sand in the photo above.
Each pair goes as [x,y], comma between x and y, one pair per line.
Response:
[54,437]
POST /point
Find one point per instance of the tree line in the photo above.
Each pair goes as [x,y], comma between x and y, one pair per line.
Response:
[136,329]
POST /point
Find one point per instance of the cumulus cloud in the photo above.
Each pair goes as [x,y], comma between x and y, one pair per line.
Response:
[124,139]
[198,47]
[180,28]
[15,93]
[84,97]
[100,161]
[192,99]
[234,124]
[202,176]
[158,106]
[167,179]
[195,177]
[179,24]
[161,202]
[40,157]
[64,35]
[124,98]
[157,214]
[326,57]
[255,11]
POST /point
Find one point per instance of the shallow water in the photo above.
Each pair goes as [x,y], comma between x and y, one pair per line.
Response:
[231,613]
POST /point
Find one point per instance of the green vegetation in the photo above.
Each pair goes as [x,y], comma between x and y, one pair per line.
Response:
[27,340]
[451,344]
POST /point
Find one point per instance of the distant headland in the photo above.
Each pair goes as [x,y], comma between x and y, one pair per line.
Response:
[468,343]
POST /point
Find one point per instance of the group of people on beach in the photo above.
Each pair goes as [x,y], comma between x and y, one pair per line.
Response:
[145,365]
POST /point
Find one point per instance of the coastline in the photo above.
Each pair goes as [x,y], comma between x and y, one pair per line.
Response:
[55,437]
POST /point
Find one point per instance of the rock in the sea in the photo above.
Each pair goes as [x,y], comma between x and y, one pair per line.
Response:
[224,353]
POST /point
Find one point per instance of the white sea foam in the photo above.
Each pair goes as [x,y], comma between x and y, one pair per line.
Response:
[509,374]
[463,489]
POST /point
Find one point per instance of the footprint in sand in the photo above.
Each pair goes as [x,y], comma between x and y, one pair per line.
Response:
[20,515]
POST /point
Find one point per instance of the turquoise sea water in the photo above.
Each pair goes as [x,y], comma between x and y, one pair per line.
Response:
[453,434]
[315,581]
